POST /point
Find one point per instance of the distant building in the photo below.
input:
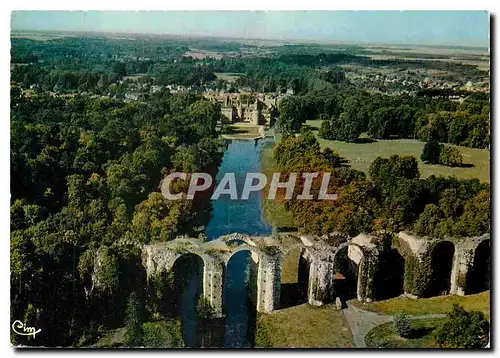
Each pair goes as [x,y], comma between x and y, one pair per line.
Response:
[247,108]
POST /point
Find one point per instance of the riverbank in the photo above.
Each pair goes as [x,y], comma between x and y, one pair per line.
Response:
[274,211]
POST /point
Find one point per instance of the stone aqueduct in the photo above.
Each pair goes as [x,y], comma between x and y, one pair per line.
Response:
[268,252]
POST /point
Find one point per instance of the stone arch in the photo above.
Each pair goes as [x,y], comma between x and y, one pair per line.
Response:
[291,273]
[348,262]
[390,272]
[442,260]
[241,293]
[252,275]
[303,275]
[256,253]
[479,274]
[188,273]
[190,263]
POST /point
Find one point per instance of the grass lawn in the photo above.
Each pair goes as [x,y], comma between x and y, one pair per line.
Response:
[112,338]
[440,304]
[384,336]
[290,266]
[361,155]
[301,326]
[305,326]
[274,210]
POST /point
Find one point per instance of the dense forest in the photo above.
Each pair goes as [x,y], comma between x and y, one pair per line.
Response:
[85,177]
[348,114]
[96,64]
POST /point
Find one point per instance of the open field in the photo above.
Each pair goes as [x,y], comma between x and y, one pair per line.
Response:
[420,306]
[384,336]
[476,56]
[305,326]
[229,77]
[361,155]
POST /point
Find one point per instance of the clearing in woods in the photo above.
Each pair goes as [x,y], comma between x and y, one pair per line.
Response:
[361,155]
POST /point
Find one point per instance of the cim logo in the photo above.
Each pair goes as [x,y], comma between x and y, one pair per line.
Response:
[23,330]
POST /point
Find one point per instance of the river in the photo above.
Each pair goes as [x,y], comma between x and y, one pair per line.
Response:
[230,216]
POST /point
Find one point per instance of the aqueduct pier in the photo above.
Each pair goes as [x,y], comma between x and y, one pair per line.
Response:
[323,263]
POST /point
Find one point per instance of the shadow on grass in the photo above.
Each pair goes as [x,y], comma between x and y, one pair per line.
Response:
[365,141]
[466,165]
[290,295]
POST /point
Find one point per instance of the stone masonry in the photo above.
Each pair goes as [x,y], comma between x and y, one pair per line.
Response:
[267,257]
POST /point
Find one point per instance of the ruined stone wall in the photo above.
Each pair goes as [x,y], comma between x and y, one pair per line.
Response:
[158,258]
[422,250]
[266,266]
[321,273]
[213,285]
[253,278]
[269,283]
[465,250]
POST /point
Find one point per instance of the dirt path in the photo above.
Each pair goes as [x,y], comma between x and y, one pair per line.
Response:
[361,322]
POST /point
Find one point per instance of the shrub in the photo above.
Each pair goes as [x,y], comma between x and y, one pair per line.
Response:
[133,334]
[463,330]
[450,156]
[402,325]
[204,309]
[163,334]
[326,131]
[428,221]
[431,152]
[262,335]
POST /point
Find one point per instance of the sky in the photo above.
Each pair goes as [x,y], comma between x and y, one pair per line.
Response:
[458,28]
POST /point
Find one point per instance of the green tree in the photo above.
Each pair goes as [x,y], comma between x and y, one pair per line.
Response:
[450,156]
[402,325]
[204,309]
[428,220]
[476,217]
[350,127]
[133,327]
[163,334]
[459,129]
[463,330]
[431,152]
[292,113]
[383,123]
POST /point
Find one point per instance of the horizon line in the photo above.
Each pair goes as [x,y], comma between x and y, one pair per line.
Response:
[282,39]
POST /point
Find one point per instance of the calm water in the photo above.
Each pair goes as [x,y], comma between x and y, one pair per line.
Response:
[230,216]
[242,216]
